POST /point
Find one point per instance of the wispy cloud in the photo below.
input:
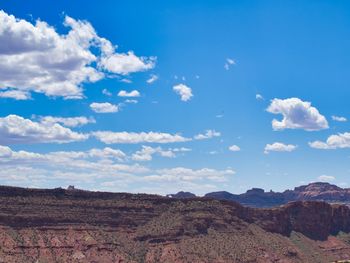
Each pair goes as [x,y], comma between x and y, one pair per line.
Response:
[279,147]
[228,63]
[338,118]
[152,79]
[110,137]
[207,135]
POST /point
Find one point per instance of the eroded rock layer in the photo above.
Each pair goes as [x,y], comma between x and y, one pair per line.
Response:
[80,226]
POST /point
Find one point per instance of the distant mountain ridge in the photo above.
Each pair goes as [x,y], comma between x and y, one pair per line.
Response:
[256,197]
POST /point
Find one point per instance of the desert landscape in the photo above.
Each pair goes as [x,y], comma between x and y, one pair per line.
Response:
[187,131]
[58,225]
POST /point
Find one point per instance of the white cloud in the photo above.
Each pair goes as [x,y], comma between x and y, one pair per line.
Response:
[67,166]
[107,153]
[16,129]
[340,119]
[131,101]
[297,114]
[326,178]
[234,148]
[67,121]
[109,137]
[207,135]
[35,58]
[279,147]
[341,140]
[104,107]
[228,63]
[5,152]
[106,92]
[67,156]
[187,174]
[259,97]
[133,93]
[15,94]
[125,63]
[152,79]
[182,149]
[99,169]
[146,153]
[125,80]
[184,91]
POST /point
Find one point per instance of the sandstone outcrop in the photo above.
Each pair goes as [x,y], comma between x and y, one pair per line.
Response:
[60,225]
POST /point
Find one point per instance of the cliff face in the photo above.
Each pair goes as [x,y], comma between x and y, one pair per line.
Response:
[319,191]
[316,220]
[79,226]
[314,191]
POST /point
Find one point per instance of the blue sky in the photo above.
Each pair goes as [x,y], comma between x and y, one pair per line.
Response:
[201,77]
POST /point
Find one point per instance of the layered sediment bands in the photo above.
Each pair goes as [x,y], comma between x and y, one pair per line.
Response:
[80,226]
[312,192]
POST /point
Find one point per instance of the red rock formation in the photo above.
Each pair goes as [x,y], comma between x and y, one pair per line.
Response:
[80,226]
[315,191]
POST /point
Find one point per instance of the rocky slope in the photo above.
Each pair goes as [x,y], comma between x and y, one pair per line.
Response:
[79,226]
[315,191]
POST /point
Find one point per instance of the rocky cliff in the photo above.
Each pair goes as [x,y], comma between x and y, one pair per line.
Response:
[79,226]
[315,191]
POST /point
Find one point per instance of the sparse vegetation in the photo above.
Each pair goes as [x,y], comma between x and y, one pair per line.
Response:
[78,226]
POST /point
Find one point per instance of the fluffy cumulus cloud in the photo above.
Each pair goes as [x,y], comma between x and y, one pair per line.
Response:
[184,91]
[125,63]
[133,93]
[297,114]
[104,107]
[57,64]
[341,140]
[207,135]
[326,178]
[279,147]
[110,137]
[234,148]
[16,129]
[67,121]
[338,118]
